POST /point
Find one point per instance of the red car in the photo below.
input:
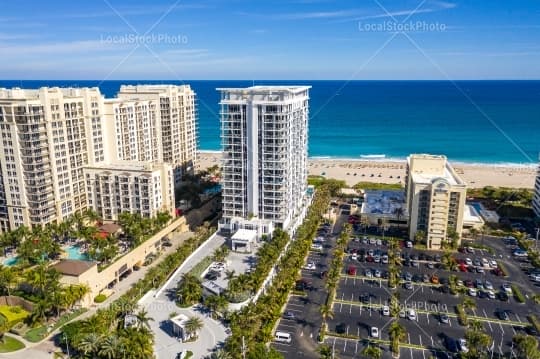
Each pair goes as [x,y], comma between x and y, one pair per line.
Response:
[462,267]
[351,270]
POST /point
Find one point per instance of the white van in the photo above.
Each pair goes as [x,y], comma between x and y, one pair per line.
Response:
[283,337]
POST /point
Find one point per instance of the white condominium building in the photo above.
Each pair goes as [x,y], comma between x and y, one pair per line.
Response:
[264,167]
[536,197]
[130,186]
[48,136]
[172,125]
[435,198]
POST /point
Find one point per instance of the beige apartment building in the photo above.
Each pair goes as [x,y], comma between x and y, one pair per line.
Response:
[50,135]
[175,128]
[128,186]
[435,198]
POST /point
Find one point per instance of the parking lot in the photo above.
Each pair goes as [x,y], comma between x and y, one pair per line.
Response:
[302,317]
[363,291]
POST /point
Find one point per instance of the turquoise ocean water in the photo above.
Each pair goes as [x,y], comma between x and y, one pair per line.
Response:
[469,121]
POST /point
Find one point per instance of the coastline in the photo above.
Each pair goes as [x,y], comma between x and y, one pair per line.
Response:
[387,170]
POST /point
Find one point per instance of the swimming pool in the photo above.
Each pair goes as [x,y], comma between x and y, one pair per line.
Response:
[478,206]
[11,261]
[74,252]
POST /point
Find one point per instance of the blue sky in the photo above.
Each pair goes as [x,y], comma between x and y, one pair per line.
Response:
[295,39]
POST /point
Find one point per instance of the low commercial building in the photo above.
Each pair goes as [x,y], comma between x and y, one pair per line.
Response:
[135,187]
[386,205]
[243,240]
[435,199]
[471,218]
[179,327]
[79,272]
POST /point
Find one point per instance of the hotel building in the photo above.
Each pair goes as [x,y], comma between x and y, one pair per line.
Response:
[51,135]
[128,186]
[435,198]
[264,164]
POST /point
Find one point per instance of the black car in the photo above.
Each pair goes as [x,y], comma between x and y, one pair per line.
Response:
[531,330]
[445,289]
[501,314]
[503,296]
[341,328]
[482,294]
[364,298]
[212,275]
[289,315]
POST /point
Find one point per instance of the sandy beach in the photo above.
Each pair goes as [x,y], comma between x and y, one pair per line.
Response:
[354,171]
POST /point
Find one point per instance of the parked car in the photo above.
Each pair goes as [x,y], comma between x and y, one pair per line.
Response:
[374,332]
[507,288]
[289,315]
[462,345]
[310,266]
[501,314]
[411,314]
[443,318]
[472,292]
[386,310]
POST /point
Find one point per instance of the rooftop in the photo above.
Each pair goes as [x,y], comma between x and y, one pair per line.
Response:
[73,267]
[265,89]
[245,235]
[384,202]
[471,216]
[109,228]
[425,169]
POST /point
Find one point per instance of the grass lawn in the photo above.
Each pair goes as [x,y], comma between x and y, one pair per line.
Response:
[10,344]
[199,268]
[13,314]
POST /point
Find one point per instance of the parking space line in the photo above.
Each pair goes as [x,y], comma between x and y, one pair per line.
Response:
[420,337]
[409,338]
[513,330]
[432,344]
[427,317]
[519,320]
[502,330]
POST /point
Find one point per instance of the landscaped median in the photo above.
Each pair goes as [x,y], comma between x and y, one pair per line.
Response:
[252,325]
[9,344]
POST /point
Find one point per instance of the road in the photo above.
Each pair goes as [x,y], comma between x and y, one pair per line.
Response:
[159,308]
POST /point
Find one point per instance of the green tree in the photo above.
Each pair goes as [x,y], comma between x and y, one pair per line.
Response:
[468,303]
[372,352]
[9,278]
[396,333]
[4,327]
[478,342]
[325,351]
[189,290]
[111,347]
[193,325]
[143,320]
[216,304]
[526,347]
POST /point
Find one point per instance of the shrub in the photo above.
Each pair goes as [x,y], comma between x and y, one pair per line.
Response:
[534,322]
[100,298]
[517,294]
[13,315]
[462,316]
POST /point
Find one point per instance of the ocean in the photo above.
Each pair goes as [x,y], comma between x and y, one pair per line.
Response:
[485,122]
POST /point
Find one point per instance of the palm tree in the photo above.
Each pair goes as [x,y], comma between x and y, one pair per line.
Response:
[220,354]
[229,274]
[8,278]
[40,310]
[192,326]
[216,304]
[478,342]
[325,351]
[396,332]
[468,303]
[111,347]
[420,236]
[143,320]
[372,352]
[326,311]
[476,325]
[90,344]
[526,347]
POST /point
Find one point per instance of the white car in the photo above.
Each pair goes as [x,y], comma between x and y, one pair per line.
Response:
[368,273]
[468,261]
[354,256]
[377,273]
[377,258]
[488,285]
[374,332]
[316,247]
[372,240]
[462,345]
[507,288]
[311,266]
[459,282]
[535,277]
[493,264]
[491,294]
[386,311]
[379,242]
[402,313]
[409,244]
[411,314]
[472,292]
[384,259]
[218,266]
[485,262]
